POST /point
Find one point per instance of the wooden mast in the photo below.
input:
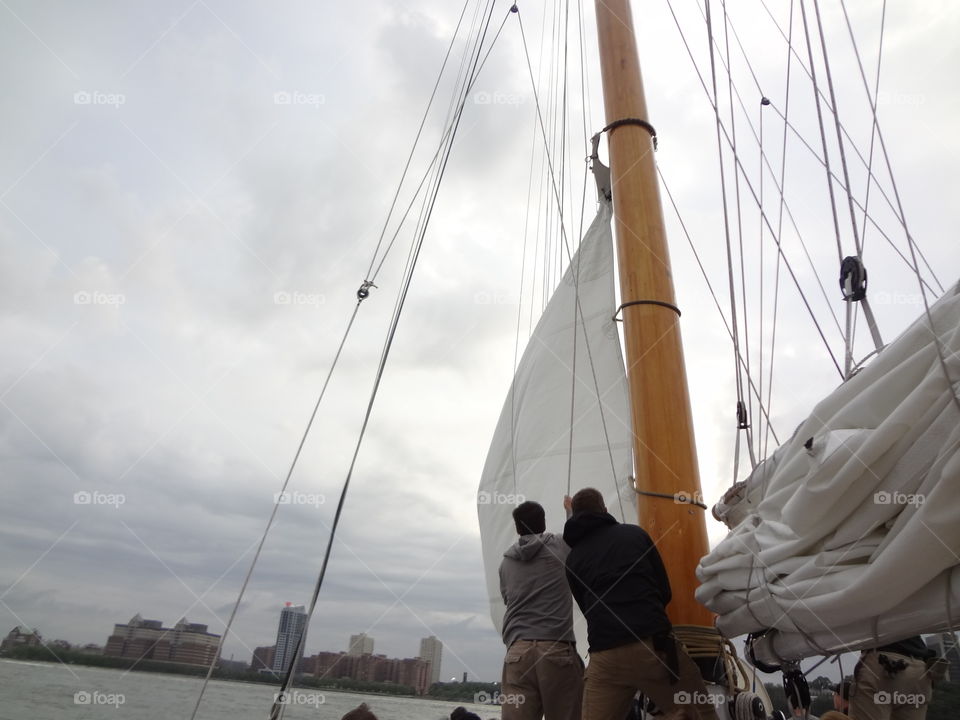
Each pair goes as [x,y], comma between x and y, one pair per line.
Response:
[664,449]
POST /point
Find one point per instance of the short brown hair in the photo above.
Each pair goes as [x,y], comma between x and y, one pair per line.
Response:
[529,518]
[588,500]
[361,712]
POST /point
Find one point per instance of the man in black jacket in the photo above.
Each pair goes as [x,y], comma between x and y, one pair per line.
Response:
[618,580]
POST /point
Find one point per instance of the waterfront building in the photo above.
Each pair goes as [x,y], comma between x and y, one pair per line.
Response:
[431,650]
[293,621]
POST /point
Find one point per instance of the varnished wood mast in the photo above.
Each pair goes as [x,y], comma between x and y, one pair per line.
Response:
[664,447]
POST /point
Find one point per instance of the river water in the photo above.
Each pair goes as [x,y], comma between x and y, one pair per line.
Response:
[51,691]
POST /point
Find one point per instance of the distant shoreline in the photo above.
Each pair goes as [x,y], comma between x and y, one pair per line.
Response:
[447,692]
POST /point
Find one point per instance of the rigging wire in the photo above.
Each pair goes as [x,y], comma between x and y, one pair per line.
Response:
[279,705]
[276,507]
[578,309]
[713,294]
[743,418]
[897,213]
[782,205]
[715,102]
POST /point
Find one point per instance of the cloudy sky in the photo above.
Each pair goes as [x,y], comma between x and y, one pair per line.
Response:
[190,193]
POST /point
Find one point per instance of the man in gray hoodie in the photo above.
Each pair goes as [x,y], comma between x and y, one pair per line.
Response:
[542,673]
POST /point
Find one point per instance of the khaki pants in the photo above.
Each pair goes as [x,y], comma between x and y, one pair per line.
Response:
[614,676]
[877,696]
[541,678]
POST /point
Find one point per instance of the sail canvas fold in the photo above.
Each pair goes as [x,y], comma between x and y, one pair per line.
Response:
[531,448]
[849,535]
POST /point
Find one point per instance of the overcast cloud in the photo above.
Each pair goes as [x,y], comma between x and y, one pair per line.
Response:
[159,205]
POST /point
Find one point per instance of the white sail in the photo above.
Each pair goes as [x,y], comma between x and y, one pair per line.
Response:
[528,457]
[849,535]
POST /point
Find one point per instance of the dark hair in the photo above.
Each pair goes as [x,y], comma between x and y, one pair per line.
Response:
[529,518]
[461,713]
[361,712]
[588,500]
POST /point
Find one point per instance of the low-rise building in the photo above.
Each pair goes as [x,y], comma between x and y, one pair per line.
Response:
[141,639]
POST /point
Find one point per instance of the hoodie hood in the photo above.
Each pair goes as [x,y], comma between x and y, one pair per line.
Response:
[584,523]
[527,547]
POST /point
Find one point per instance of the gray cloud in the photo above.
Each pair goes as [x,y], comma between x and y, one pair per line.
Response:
[189,213]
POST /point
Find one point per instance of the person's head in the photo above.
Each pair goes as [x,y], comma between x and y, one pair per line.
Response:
[588,500]
[361,712]
[841,696]
[529,518]
[461,713]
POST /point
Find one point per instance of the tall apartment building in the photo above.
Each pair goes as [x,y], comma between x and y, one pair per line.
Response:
[293,620]
[431,650]
[185,642]
[360,644]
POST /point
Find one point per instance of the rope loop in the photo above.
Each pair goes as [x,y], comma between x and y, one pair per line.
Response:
[631,121]
[661,303]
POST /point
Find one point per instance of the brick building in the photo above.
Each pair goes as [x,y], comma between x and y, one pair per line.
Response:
[185,642]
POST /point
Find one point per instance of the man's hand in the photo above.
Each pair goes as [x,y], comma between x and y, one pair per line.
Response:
[568,503]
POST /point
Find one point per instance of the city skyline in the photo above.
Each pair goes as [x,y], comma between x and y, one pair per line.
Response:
[177,270]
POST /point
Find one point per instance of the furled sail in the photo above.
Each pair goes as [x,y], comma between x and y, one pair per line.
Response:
[529,455]
[848,536]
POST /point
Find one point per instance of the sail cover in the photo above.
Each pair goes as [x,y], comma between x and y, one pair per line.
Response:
[529,455]
[849,535]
